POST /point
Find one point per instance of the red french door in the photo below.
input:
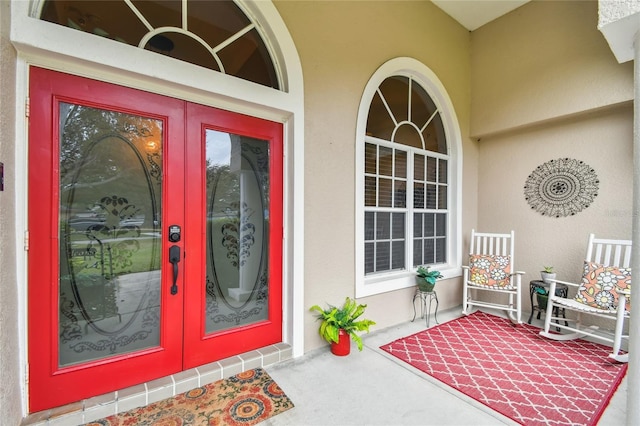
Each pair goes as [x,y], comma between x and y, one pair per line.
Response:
[155,236]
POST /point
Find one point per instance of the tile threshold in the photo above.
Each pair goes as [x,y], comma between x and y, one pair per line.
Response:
[95,408]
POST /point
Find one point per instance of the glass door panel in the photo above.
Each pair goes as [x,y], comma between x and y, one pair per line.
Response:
[237,188]
[110,239]
[234,176]
[101,314]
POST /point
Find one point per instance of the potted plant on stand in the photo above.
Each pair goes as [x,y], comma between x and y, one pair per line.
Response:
[547,274]
[340,325]
[542,295]
[427,279]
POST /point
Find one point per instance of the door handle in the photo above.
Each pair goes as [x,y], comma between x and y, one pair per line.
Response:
[174,258]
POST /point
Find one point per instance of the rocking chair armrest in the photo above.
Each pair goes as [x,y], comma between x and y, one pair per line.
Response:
[466,267]
[518,273]
[564,282]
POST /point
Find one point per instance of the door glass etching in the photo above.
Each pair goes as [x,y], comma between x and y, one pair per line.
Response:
[109,233]
[237,213]
[213,34]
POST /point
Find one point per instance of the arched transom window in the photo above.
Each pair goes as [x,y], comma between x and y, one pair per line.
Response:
[406,179]
[213,34]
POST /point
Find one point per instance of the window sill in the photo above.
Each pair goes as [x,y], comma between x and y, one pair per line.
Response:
[384,283]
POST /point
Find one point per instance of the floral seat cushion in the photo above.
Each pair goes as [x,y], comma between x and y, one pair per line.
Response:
[490,270]
[600,285]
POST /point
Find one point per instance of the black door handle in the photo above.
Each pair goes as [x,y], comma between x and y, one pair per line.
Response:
[174,258]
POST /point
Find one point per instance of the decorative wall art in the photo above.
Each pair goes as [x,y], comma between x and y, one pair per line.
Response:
[561,187]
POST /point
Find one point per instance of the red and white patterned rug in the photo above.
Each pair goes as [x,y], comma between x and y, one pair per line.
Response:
[514,371]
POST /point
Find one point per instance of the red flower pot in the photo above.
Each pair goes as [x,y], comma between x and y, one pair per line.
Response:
[343,347]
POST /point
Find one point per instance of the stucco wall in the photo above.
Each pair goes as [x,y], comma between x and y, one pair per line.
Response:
[10,397]
[341,44]
[603,140]
[544,60]
[551,89]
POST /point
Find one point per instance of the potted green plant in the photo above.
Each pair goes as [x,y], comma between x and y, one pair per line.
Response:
[547,273]
[427,279]
[340,325]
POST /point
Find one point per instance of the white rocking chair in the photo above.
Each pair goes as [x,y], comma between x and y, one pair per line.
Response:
[491,270]
[604,292]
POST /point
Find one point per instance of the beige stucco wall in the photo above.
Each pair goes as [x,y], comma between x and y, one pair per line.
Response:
[341,44]
[10,396]
[544,60]
[603,140]
[551,89]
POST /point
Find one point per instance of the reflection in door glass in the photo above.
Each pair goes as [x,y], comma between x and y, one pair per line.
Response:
[110,192]
[237,175]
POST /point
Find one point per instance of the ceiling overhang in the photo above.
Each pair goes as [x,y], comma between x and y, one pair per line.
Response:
[472,14]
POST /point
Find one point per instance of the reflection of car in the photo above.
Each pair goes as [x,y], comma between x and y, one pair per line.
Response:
[84,221]
[93,220]
[132,223]
[135,221]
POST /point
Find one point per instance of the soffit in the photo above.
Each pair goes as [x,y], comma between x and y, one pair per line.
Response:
[472,14]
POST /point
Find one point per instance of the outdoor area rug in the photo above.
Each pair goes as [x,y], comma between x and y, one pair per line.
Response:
[244,399]
[514,371]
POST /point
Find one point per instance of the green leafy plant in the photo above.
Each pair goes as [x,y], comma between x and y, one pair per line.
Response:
[345,318]
[429,276]
[548,269]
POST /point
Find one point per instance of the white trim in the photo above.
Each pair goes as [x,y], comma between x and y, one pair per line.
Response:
[55,47]
[429,81]
[21,173]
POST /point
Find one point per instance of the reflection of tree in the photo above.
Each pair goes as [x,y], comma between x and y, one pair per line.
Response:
[225,182]
[82,127]
[96,161]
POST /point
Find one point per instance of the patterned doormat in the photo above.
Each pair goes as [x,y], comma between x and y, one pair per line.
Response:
[244,399]
[514,371]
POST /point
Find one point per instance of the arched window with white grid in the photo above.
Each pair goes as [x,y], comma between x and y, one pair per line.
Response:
[408,179]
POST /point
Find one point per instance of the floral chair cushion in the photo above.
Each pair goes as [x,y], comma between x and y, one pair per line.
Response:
[490,270]
[600,285]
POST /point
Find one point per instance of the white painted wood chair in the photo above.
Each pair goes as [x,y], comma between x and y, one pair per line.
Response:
[491,270]
[604,293]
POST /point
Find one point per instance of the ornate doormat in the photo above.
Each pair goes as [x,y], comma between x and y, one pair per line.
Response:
[244,399]
[514,371]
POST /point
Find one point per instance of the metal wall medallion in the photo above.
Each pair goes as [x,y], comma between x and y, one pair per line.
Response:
[561,187]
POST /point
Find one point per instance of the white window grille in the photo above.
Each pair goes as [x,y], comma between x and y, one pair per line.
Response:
[408,183]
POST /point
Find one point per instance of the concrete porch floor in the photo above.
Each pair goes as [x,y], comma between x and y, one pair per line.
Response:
[373,388]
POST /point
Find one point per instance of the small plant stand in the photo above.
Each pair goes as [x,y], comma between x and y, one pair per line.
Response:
[561,290]
[426,299]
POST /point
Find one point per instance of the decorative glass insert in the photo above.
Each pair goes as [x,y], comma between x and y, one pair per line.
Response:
[236,286]
[109,233]
[405,176]
[212,34]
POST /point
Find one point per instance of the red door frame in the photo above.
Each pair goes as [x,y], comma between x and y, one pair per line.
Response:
[183,343]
